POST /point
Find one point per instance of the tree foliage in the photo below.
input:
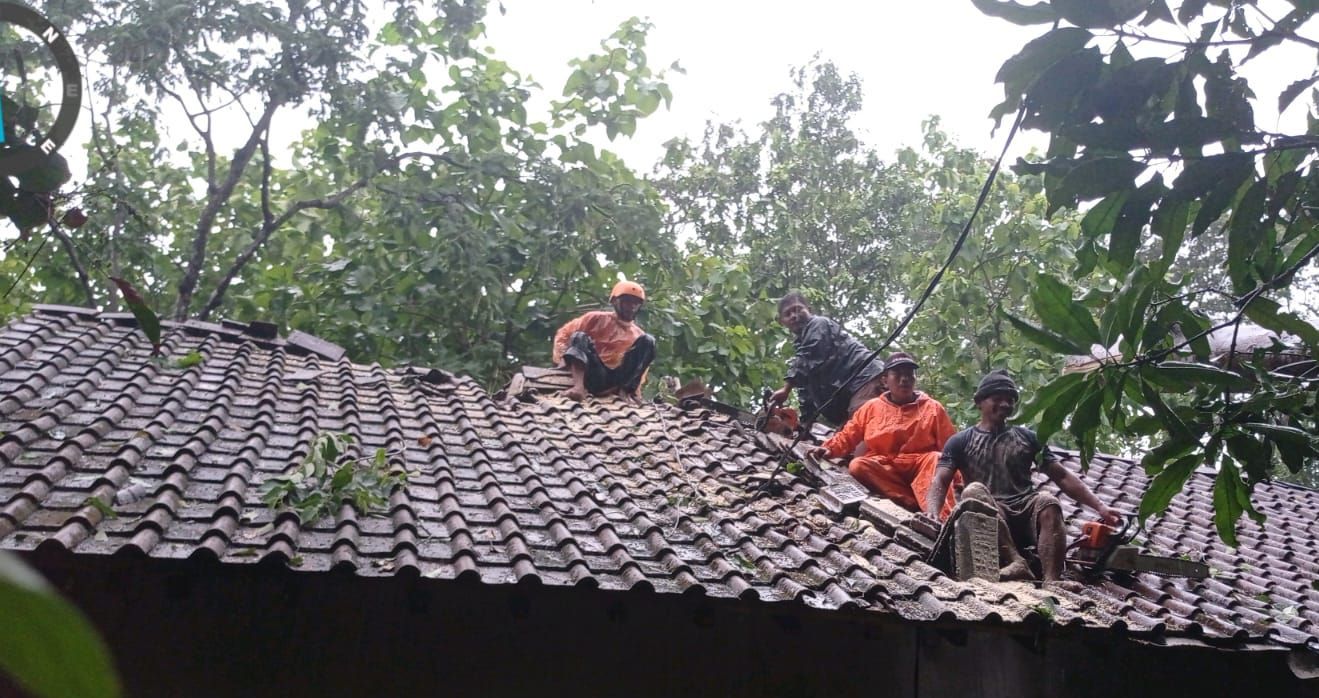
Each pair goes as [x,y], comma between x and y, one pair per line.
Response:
[1154,133]
[802,200]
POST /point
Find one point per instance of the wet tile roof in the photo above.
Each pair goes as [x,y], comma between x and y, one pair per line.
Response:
[539,490]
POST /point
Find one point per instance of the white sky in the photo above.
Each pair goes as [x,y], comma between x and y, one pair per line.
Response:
[914,58]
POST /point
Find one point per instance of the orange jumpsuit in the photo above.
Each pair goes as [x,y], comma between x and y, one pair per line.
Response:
[612,337]
[903,444]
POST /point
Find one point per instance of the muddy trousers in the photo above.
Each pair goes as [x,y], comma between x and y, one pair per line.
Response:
[904,478]
[599,377]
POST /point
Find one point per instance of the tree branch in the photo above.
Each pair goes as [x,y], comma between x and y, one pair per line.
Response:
[217,196]
[1287,36]
[267,229]
[83,279]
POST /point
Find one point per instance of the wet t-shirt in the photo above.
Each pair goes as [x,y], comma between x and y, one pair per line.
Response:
[1002,460]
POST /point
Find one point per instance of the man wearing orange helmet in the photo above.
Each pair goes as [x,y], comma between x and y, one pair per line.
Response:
[607,352]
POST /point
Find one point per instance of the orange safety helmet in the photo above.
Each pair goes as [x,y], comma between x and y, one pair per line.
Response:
[627,288]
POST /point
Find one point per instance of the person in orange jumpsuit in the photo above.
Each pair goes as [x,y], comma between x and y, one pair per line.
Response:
[904,431]
[607,352]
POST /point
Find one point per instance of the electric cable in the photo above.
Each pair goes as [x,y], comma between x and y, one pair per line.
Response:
[808,419]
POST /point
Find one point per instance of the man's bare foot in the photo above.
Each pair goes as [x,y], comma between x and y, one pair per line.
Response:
[1064,585]
[1016,571]
[634,398]
[575,393]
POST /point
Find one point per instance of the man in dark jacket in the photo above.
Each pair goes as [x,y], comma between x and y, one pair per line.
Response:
[825,360]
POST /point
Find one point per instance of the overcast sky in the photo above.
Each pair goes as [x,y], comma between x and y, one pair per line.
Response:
[914,58]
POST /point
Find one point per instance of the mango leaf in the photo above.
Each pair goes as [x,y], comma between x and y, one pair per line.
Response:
[1279,434]
[1043,337]
[1061,314]
[1015,12]
[1244,234]
[1085,421]
[1231,499]
[1125,237]
[1271,316]
[1166,485]
[1049,394]
[1190,10]
[1093,178]
[45,643]
[1052,416]
[1169,223]
[1101,217]
[1167,418]
[1020,71]
[146,318]
[1100,13]
[1251,452]
[1188,375]
[1292,91]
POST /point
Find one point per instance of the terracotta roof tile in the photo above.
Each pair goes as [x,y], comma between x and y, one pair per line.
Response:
[528,488]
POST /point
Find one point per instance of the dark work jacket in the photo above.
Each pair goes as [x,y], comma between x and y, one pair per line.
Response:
[826,356]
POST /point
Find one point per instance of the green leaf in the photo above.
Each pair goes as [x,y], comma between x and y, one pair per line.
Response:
[45,643]
[192,358]
[1054,305]
[1101,218]
[146,318]
[1271,316]
[1052,417]
[1093,178]
[1043,337]
[1188,375]
[1048,394]
[1255,454]
[1169,223]
[1229,491]
[1166,485]
[1015,12]
[106,510]
[1100,13]
[1279,433]
[1019,72]
[1244,234]
[1085,421]
[1292,91]
[1167,418]
[342,477]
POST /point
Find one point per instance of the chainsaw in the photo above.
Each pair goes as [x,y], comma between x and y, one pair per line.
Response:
[1102,547]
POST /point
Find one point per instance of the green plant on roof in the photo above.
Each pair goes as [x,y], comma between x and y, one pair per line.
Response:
[327,476]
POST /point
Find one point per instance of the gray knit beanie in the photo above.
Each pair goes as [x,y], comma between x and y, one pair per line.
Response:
[996,381]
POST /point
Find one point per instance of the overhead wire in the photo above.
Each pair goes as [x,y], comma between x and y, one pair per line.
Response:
[807,419]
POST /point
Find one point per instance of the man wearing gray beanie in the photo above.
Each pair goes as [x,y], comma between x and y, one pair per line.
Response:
[999,458]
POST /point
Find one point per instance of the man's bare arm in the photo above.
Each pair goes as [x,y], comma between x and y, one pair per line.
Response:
[1073,487]
[943,478]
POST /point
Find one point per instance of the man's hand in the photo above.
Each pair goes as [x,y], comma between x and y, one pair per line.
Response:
[1108,516]
[780,396]
[931,519]
[819,453]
